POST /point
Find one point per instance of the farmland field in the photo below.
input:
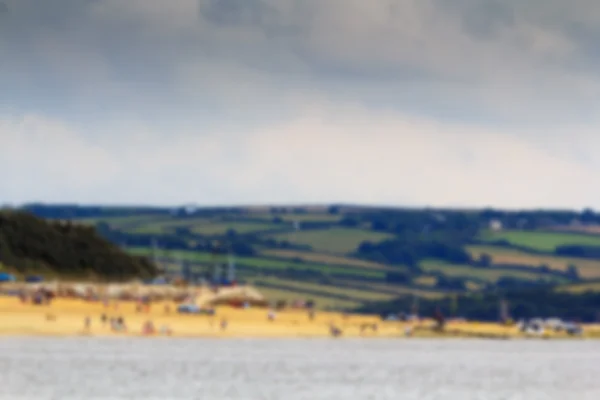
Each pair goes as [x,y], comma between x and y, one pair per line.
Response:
[124,220]
[588,269]
[425,281]
[264,263]
[591,229]
[320,217]
[399,290]
[220,228]
[336,240]
[579,288]
[358,295]
[203,226]
[466,271]
[321,302]
[542,241]
[322,258]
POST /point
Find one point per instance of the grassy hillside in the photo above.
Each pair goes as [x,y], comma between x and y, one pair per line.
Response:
[344,256]
[589,269]
[542,240]
[320,258]
[334,240]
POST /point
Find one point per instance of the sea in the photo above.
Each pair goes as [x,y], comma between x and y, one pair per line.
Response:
[332,369]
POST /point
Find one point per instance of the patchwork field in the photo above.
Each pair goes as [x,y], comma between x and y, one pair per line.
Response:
[402,290]
[358,295]
[588,269]
[298,217]
[125,220]
[542,240]
[591,229]
[331,249]
[203,226]
[322,258]
[335,240]
[580,287]
[220,228]
[466,271]
[263,263]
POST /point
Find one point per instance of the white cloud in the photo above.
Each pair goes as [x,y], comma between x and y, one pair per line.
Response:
[334,154]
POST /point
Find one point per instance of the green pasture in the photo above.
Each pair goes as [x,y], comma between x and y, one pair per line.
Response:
[202,257]
[486,274]
[334,240]
[541,240]
[588,269]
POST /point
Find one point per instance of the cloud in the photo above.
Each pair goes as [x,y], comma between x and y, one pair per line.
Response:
[389,101]
[326,154]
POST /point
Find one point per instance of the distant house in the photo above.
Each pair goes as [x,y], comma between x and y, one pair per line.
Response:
[496,225]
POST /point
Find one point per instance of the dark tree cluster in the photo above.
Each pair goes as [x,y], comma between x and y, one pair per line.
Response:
[409,252]
[30,244]
[67,211]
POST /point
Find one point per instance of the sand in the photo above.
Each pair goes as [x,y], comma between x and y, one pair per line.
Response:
[66,317]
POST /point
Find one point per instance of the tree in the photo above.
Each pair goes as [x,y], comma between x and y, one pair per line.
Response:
[398,277]
[333,210]
[573,272]
[485,260]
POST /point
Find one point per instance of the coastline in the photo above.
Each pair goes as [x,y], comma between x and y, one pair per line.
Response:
[67,318]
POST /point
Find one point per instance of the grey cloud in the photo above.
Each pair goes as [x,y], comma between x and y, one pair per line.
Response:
[238,12]
[466,54]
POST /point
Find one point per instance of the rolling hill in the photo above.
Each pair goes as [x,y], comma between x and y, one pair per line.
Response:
[343,256]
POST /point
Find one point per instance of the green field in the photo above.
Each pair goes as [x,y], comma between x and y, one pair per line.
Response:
[335,240]
[220,228]
[264,263]
[125,220]
[327,259]
[542,241]
[354,294]
[580,287]
[312,217]
[321,302]
[588,269]
[466,271]
[400,290]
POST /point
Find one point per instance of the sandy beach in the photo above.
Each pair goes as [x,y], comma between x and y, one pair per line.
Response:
[67,317]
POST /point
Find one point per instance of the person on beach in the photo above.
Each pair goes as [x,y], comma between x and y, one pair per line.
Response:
[103,319]
[334,330]
[165,330]
[120,325]
[224,324]
[271,315]
[148,328]
[363,328]
[87,323]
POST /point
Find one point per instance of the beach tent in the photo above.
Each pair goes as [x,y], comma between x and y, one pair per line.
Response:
[235,295]
[6,277]
[34,279]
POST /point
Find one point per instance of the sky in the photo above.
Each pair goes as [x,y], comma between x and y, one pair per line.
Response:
[463,103]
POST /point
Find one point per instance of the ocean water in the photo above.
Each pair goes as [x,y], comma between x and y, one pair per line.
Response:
[92,368]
